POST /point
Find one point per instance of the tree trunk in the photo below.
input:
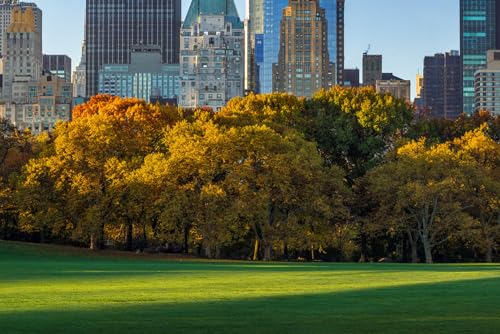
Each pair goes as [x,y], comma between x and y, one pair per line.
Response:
[256,250]
[414,252]
[93,241]
[145,237]
[312,253]
[267,253]
[427,249]
[271,220]
[428,255]
[285,252]
[489,252]
[42,235]
[186,239]
[129,237]
[364,246]
[208,251]
[100,237]
[413,247]
[154,225]
[217,251]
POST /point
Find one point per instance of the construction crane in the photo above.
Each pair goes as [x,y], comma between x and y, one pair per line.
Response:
[368,50]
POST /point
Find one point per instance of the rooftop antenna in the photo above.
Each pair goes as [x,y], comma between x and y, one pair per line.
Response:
[368,50]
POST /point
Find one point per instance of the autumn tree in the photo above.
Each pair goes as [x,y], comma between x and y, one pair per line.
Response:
[284,191]
[198,206]
[352,127]
[479,155]
[16,148]
[106,132]
[278,111]
[422,193]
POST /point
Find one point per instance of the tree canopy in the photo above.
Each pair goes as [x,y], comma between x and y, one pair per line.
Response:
[347,174]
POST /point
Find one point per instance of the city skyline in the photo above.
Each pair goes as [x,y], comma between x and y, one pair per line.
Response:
[404,32]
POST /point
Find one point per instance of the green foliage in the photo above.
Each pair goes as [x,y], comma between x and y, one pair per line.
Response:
[355,127]
[438,130]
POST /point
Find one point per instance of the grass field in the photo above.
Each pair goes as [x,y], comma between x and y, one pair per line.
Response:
[43,291]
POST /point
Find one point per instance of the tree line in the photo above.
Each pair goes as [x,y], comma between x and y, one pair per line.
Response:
[347,175]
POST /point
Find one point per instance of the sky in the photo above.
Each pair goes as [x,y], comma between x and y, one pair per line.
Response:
[403,31]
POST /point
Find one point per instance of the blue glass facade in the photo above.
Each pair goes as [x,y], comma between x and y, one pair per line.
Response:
[330,7]
[479,34]
[273,11]
[126,81]
[259,58]
[259,48]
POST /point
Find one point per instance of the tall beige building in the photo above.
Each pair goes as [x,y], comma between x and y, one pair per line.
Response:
[6,8]
[398,88]
[30,100]
[49,101]
[23,60]
[212,54]
[303,64]
[419,85]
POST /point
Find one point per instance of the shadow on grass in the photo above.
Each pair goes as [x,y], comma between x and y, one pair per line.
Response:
[468,306]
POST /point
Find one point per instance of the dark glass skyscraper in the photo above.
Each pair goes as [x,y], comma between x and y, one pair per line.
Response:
[442,91]
[479,33]
[339,46]
[113,27]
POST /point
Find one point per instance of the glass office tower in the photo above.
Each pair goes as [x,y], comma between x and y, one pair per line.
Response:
[113,27]
[266,36]
[273,11]
[479,33]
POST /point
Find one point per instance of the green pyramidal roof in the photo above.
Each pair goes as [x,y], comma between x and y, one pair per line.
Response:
[213,7]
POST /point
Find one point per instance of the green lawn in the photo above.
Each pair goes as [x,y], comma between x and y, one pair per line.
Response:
[45,292]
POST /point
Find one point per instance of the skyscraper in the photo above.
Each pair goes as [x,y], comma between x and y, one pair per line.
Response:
[487,85]
[479,33]
[58,65]
[372,69]
[351,77]
[23,54]
[419,80]
[212,54]
[264,24]
[442,89]
[145,77]
[339,61]
[303,65]
[79,75]
[6,7]
[113,26]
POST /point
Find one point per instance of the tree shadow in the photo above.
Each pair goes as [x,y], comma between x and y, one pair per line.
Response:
[466,306]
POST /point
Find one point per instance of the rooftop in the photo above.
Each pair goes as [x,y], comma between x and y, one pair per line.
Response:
[212,7]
